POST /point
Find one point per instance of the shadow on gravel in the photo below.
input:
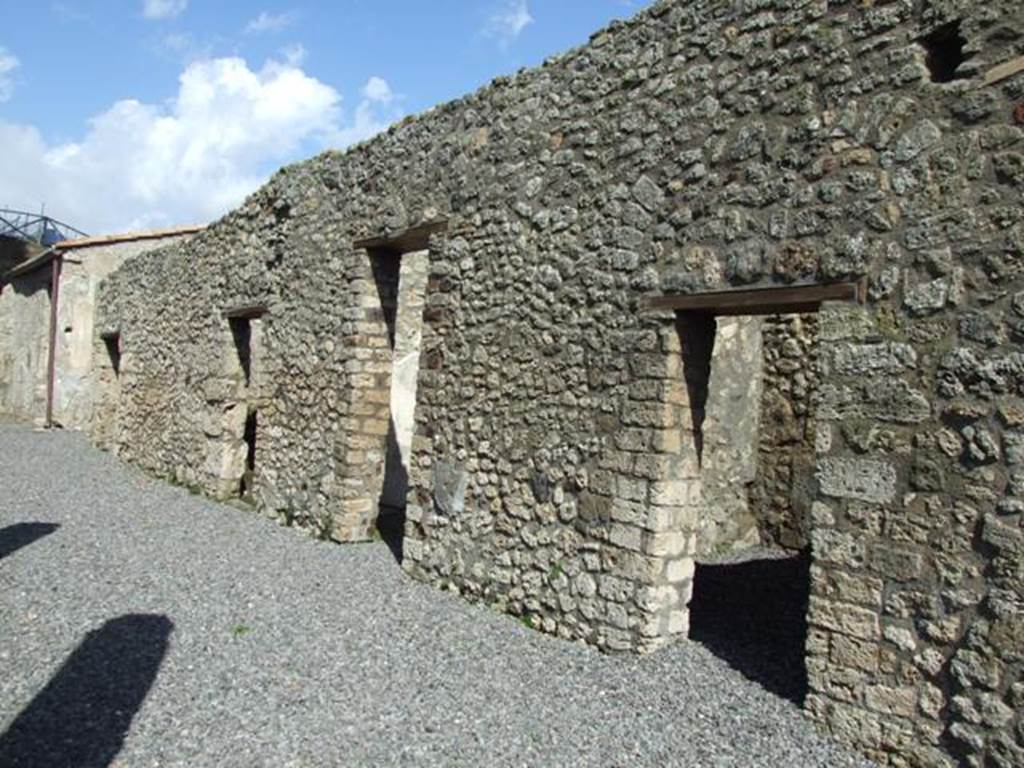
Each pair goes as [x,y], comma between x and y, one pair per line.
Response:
[753,615]
[82,716]
[391,527]
[14,537]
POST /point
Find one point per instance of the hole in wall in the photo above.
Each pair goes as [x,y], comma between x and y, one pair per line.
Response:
[944,51]
[245,485]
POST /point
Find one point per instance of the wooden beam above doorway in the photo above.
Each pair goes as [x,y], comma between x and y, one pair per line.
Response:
[789,299]
[412,239]
[246,311]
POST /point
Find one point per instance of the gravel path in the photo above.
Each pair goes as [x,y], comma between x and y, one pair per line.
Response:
[143,626]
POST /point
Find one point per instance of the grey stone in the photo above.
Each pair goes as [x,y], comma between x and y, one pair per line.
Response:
[648,194]
[450,483]
[918,139]
[927,298]
[870,359]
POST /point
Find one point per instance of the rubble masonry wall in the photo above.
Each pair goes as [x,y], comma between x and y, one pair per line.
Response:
[554,472]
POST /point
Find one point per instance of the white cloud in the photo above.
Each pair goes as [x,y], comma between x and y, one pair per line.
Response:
[189,160]
[377,89]
[270,22]
[294,55]
[163,9]
[8,63]
[508,21]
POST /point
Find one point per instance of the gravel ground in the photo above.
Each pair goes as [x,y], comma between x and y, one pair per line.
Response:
[144,626]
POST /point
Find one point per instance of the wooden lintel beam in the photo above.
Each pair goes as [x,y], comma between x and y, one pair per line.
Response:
[1002,71]
[763,301]
[412,239]
[250,311]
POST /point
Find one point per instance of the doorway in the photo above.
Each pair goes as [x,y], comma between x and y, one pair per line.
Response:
[377,438]
[405,336]
[752,577]
[749,363]
[243,404]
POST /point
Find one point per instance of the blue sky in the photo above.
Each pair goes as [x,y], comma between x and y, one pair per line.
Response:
[148,113]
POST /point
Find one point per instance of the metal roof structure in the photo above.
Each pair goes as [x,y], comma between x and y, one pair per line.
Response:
[35,227]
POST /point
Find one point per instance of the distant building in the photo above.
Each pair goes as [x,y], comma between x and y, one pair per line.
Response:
[68,273]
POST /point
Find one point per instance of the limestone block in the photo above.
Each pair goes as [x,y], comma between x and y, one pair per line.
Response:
[850,652]
[832,546]
[678,622]
[626,536]
[675,493]
[680,569]
[862,479]
[859,588]
[844,618]
[898,701]
[666,544]
[885,399]
[896,563]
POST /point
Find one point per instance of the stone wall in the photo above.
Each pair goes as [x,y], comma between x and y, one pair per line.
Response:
[555,470]
[83,269]
[781,494]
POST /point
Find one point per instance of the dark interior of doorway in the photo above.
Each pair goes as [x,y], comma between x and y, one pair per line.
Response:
[752,614]
[241,333]
[112,342]
[245,485]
